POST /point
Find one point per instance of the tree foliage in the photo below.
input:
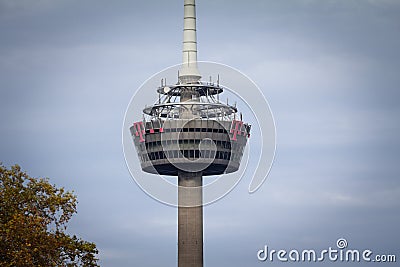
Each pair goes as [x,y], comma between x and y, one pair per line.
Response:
[33,222]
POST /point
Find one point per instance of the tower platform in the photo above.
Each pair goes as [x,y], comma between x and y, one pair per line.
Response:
[167,146]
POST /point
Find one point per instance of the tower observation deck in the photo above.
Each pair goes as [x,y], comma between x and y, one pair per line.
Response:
[190,133]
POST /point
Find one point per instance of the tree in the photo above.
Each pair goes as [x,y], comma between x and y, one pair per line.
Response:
[33,222]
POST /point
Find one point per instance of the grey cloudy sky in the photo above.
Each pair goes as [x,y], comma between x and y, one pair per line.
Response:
[330,71]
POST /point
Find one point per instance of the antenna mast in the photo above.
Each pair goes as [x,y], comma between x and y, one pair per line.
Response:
[189,72]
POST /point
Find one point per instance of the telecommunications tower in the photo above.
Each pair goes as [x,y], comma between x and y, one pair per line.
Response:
[190,133]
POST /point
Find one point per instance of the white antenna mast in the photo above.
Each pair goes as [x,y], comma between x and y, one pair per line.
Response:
[189,72]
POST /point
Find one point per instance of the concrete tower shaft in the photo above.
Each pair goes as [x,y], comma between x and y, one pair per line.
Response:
[190,219]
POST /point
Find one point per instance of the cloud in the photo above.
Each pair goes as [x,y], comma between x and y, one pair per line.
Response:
[328,68]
